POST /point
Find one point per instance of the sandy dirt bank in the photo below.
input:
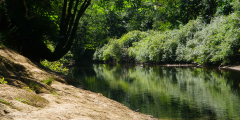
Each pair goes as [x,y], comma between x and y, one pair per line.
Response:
[26,97]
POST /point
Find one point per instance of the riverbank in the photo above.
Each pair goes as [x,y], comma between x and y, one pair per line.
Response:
[26,95]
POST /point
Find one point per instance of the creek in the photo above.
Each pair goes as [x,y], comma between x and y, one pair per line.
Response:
[166,92]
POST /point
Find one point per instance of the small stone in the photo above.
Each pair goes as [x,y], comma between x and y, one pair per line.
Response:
[137,110]
[6,111]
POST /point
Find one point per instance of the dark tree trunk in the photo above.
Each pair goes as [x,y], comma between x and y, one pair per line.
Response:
[68,30]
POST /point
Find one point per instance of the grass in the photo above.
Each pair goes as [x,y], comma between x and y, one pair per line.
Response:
[54,93]
[22,100]
[4,102]
[2,81]
[27,89]
[34,86]
[48,81]
[8,104]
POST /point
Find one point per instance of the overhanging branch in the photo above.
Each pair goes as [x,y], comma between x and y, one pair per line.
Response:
[72,18]
[67,23]
[79,15]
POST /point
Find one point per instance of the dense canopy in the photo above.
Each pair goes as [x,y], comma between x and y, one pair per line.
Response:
[49,29]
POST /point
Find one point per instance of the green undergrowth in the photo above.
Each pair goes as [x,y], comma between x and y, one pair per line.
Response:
[34,86]
[27,89]
[2,81]
[48,81]
[32,99]
[9,104]
[22,100]
[58,66]
[4,102]
[55,66]
[215,43]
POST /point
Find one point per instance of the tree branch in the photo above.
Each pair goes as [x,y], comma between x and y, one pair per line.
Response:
[26,15]
[63,17]
[65,43]
[80,13]
[61,33]
[72,19]
[68,17]
[41,6]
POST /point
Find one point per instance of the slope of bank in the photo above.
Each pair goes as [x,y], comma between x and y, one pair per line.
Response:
[26,96]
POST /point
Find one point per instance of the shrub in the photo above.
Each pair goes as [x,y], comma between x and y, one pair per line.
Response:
[214,43]
[131,37]
[157,47]
[113,51]
[117,49]
[98,55]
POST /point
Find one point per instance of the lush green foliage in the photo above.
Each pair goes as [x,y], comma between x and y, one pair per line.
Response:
[40,23]
[117,48]
[217,42]
[108,22]
[109,19]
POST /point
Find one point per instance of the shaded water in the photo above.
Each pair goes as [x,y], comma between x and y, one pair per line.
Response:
[167,92]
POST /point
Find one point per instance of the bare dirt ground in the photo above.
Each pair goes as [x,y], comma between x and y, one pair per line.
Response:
[26,97]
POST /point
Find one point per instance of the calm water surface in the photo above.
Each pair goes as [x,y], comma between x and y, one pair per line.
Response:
[167,92]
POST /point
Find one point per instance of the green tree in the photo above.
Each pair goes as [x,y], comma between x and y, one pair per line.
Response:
[38,21]
[33,23]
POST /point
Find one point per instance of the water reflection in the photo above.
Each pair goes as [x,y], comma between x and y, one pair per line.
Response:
[167,92]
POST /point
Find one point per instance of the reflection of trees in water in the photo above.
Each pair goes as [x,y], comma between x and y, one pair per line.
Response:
[167,92]
[233,80]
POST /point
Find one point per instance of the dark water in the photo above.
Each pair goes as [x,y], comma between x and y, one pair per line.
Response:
[167,92]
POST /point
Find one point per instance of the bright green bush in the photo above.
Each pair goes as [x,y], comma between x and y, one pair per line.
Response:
[214,43]
[116,49]
[236,5]
[185,35]
[109,51]
[131,37]
[98,55]
[113,51]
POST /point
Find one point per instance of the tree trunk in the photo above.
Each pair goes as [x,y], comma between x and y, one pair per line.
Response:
[36,50]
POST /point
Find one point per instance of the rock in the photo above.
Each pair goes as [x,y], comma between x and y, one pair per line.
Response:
[6,111]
